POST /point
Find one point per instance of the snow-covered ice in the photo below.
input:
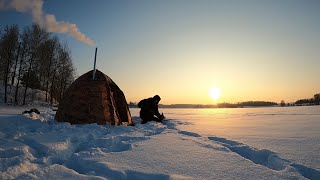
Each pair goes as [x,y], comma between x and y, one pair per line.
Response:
[248,143]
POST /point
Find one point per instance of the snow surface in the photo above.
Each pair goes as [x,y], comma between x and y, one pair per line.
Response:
[249,143]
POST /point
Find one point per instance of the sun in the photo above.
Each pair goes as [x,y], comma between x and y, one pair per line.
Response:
[215,93]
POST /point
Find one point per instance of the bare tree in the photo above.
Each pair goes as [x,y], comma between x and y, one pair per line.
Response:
[23,52]
[62,74]
[15,65]
[37,36]
[39,61]
[9,44]
[316,98]
[50,49]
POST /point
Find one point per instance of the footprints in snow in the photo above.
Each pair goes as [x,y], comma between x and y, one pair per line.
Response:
[266,158]
[90,167]
[187,133]
[118,143]
[113,144]
[262,157]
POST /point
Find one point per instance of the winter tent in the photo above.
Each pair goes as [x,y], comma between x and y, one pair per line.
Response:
[94,101]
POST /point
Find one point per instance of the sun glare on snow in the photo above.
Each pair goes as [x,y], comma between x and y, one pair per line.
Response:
[215,93]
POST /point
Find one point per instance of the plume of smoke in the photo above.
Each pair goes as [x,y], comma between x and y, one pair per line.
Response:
[46,21]
[2,5]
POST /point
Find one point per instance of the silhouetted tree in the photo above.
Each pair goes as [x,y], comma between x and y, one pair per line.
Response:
[316,98]
[9,46]
[36,38]
[305,101]
[66,72]
[283,103]
[15,65]
[50,48]
[257,103]
[32,78]
[132,104]
[23,53]
[39,61]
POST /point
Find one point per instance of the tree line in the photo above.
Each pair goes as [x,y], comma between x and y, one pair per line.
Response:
[315,100]
[219,105]
[35,59]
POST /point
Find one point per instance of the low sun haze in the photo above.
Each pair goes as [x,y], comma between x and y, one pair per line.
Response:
[181,50]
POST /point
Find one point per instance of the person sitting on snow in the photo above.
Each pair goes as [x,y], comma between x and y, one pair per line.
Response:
[149,110]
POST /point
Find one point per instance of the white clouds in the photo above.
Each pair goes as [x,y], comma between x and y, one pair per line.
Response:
[46,21]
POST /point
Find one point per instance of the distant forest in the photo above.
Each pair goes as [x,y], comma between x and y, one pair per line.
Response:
[220,105]
[315,100]
[312,101]
[33,58]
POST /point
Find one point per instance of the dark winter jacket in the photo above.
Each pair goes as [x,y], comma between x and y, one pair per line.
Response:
[148,108]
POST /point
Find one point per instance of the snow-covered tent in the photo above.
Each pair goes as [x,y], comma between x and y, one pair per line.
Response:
[98,101]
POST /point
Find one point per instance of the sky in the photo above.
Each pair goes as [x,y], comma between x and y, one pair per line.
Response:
[180,49]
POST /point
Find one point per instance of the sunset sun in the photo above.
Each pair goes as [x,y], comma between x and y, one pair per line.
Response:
[215,93]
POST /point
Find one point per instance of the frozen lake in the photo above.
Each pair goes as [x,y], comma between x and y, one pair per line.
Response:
[247,143]
[293,132]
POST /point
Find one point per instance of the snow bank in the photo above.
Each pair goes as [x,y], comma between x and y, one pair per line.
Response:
[33,96]
[35,146]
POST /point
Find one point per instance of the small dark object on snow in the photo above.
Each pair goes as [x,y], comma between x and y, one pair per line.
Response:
[31,111]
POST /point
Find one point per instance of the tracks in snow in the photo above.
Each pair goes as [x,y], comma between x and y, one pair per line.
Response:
[66,149]
[266,158]
[262,157]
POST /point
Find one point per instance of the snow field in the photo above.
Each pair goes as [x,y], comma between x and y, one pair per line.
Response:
[37,147]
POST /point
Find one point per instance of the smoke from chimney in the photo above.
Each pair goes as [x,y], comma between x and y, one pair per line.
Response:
[46,21]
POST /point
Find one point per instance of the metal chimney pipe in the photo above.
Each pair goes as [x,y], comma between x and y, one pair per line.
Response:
[94,65]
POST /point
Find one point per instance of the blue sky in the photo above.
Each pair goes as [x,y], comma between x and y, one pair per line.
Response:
[251,50]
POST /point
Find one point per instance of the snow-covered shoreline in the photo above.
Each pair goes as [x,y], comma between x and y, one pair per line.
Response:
[37,147]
